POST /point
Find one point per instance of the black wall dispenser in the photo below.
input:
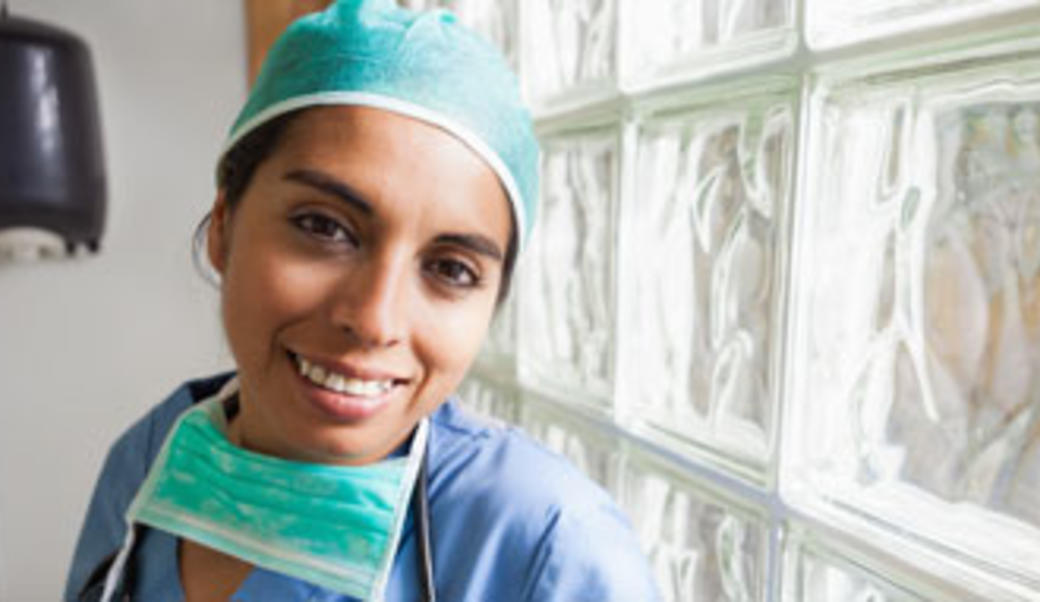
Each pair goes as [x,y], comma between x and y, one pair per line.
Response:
[52,177]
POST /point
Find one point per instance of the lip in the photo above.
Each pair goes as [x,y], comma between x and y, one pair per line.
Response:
[343,407]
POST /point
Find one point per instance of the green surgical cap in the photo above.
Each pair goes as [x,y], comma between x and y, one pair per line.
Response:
[423,65]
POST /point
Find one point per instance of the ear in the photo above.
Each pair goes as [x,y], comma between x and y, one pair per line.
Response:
[217,234]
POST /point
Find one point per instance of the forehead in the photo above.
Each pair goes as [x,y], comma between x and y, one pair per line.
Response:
[392,158]
[366,134]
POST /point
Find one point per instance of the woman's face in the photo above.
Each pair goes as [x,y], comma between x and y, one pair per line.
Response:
[365,255]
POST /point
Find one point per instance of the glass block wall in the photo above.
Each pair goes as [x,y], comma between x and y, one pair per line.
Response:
[783,298]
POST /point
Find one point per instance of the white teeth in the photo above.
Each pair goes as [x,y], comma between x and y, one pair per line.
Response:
[339,383]
[334,381]
[365,388]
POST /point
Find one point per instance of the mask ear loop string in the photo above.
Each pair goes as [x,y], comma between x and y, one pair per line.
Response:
[420,505]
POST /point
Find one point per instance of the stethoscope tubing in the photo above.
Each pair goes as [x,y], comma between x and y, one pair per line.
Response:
[421,507]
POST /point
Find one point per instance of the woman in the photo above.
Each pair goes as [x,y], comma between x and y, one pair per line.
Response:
[375,191]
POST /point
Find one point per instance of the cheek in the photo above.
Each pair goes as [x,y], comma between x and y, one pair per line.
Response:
[264,292]
[452,339]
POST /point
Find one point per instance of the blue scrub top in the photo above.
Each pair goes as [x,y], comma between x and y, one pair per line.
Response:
[509,520]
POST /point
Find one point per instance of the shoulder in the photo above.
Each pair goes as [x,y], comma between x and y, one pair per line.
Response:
[125,468]
[546,524]
[515,467]
[132,454]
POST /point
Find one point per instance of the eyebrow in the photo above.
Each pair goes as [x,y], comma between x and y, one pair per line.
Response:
[331,186]
[474,242]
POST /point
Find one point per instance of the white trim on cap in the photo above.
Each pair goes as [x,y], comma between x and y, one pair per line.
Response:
[396,105]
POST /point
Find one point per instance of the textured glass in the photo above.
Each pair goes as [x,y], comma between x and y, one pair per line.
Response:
[570,46]
[700,547]
[489,398]
[814,574]
[496,19]
[919,317]
[567,296]
[499,351]
[830,23]
[681,37]
[714,185]
[591,451]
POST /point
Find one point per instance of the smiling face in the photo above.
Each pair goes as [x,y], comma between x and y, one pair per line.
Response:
[365,254]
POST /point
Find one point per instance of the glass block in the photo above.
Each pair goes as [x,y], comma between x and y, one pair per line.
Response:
[700,546]
[490,398]
[497,20]
[829,24]
[704,290]
[569,49]
[499,349]
[567,295]
[817,572]
[680,39]
[916,390]
[588,448]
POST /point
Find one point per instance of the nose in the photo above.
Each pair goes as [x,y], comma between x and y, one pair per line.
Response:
[370,302]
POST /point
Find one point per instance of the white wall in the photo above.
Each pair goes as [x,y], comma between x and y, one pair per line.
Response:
[87,346]
[3,562]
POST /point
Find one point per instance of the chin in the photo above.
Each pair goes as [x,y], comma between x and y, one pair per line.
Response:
[331,445]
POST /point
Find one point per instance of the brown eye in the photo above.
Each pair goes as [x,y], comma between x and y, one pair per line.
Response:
[453,272]
[324,228]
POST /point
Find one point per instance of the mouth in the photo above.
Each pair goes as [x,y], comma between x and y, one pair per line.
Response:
[344,394]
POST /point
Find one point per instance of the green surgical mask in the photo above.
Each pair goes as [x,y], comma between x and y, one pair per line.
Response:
[333,526]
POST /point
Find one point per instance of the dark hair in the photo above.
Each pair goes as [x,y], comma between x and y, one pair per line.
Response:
[239,163]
